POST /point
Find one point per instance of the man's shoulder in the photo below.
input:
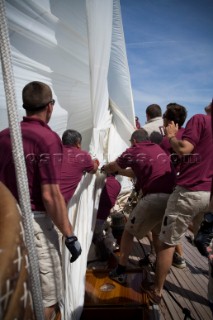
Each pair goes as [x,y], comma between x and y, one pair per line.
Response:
[81,157]
[153,125]
[43,137]
[4,132]
[200,117]
[85,152]
[75,150]
[198,120]
[156,119]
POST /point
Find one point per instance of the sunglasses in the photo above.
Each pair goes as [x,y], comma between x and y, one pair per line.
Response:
[52,102]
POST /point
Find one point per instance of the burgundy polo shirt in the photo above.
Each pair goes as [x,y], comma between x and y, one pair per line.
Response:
[196,169]
[151,167]
[108,197]
[75,163]
[43,157]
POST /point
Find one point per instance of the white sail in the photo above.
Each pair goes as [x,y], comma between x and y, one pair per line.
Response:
[78,48]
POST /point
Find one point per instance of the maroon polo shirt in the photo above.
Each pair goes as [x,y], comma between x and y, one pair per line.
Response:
[108,197]
[151,167]
[42,152]
[75,163]
[166,146]
[196,169]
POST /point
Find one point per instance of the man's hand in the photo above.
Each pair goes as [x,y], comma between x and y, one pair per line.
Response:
[171,130]
[74,247]
[111,167]
[181,147]
[96,161]
[96,164]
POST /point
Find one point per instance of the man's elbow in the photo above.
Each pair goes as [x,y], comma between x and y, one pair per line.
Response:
[181,152]
[49,193]
[185,147]
[184,151]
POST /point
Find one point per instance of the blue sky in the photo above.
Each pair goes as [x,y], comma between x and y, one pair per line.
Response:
[170,52]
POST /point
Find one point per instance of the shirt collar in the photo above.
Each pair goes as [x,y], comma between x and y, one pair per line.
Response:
[154,119]
[34,120]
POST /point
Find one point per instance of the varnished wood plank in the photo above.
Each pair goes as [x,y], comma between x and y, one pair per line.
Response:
[97,281]
[188,286]
[126,302]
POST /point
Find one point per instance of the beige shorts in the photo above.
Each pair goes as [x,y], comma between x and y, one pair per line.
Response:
[47,245]
[184,206]
[147,215]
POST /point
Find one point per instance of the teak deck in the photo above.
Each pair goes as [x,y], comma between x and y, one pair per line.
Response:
[187,286]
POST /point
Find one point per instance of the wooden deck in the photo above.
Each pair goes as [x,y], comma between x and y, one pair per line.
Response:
[187,286]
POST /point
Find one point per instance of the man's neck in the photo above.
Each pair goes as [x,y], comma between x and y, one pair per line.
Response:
[38,116]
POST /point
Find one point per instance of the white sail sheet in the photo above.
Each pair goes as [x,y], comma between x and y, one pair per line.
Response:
[78,48]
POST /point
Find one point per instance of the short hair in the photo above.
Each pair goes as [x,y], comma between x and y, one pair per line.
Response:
[156,137]
[71,137]
[175,112]
[140,135]
[153,111]
[36,95]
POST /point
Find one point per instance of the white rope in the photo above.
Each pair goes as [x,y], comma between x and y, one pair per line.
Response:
[18,156]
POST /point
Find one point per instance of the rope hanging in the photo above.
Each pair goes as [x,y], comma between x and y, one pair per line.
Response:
[18,156]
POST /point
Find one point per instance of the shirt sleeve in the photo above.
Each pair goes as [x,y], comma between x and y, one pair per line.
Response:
[125,159]
[87,162]
[193,130]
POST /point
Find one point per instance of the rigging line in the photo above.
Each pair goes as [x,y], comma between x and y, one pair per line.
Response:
[185,311]
[18,156]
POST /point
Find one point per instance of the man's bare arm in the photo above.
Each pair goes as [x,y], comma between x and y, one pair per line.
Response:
[181,147]
[128,172]
[113,167]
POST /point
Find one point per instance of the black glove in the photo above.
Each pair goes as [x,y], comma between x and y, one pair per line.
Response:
[74,247]
[205,234]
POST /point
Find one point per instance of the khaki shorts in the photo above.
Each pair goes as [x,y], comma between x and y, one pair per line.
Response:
[147,215]
[184,206]
[47,245]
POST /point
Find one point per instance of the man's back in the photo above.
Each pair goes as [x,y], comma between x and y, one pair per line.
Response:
[151,166]
[154,120]
[75,163]
[42,151]
[42,154]
[196,169]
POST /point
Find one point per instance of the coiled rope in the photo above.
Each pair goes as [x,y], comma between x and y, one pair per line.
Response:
[18,156]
